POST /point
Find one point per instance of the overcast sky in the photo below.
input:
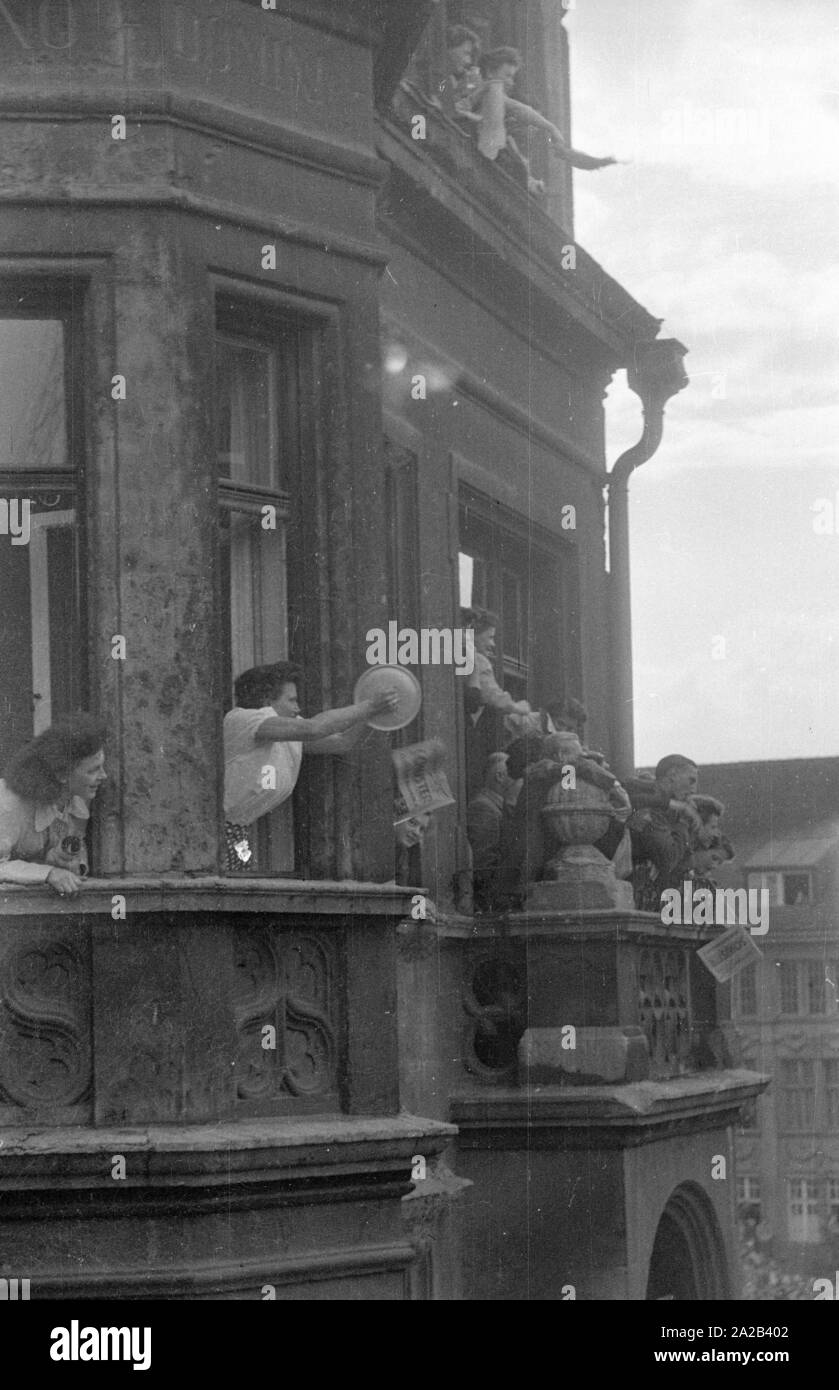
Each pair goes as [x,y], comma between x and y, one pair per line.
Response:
[725,224]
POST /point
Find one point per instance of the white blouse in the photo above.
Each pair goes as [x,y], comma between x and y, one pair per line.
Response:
[258,777]
[28,832]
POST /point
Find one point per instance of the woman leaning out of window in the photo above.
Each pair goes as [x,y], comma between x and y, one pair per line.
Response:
[45,800]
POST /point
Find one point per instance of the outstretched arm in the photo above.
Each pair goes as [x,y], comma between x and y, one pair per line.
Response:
[335,744]
[284,729]
[528,115]
[582,161]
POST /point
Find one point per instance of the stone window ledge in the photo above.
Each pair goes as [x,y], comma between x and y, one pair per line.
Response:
[176,893]
[390,1133]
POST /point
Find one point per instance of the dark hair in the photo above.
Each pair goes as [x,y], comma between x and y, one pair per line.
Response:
[671,763]
[523,751]
[570,712]
[260,684]
[497,57]
[456,34]
[483,619]
[37,772]
[718,842]
[707,806]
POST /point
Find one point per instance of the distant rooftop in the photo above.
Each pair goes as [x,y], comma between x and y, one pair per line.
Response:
[803,850]
[788,799]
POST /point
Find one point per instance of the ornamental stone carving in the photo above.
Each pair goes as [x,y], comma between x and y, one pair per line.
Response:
[285,1015]
[44,1024]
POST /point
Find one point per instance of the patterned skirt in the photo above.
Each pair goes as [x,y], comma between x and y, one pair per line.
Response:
[239,848]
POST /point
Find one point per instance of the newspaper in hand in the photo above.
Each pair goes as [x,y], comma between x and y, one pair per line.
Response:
[421,777]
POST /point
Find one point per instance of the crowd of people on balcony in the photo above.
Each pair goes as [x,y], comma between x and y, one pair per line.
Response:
[662,831]
[476,94]
[50,784]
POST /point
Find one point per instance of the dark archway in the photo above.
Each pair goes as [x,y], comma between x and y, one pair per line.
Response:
[688,1262]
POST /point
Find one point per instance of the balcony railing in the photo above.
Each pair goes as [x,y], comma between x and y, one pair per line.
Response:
[174,1000]
[454,150]
[590,970]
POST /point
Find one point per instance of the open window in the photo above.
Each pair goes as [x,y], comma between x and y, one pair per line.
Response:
[527,578]
[257,401]
[43,673]
[786,887]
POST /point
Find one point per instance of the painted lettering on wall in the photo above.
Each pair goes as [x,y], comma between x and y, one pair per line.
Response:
[37,24]
[216,44]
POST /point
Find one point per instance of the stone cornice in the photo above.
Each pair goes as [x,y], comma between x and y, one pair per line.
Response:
[587,1117]
[219,1277]
[178,201]
[205,117]
[218,1152]
[490,207]
[244,1166]
[505,408]
[601,924]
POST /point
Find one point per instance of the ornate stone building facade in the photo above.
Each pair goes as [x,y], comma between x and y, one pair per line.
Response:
[275,373]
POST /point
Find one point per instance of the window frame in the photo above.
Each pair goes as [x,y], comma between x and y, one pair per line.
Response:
[241,323]
[748,1198]
[769,879]
[809,1199]
[775,881]
[831,1198]
[799,1095]
[796,873]
[788,970]
[748,972]
[551,670]
[831,1094]
[58,298]
[257,311]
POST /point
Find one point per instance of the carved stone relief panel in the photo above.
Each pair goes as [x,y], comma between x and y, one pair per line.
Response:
[45,1056]
[286,1016]
[494,999]
[663,1008]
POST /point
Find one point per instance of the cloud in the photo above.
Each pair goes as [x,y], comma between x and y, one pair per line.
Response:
[744,94]
[727,225]
[752,704]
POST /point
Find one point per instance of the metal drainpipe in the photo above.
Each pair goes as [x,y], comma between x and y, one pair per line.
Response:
[656,374]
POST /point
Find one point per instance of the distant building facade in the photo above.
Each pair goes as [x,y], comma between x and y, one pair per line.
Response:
[783,817]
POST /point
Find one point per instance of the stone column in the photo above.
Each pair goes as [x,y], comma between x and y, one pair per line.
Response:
[153,507]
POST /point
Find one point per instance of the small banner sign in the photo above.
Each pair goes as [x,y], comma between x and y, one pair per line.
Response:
[729,953]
